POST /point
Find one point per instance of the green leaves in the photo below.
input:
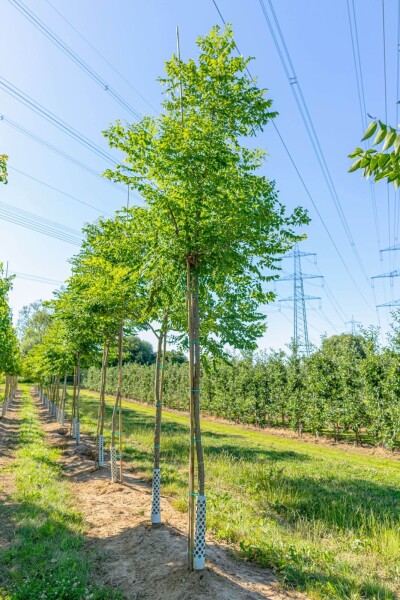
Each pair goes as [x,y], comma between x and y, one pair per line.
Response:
[3,168]
[379,164]
[370,130]
[389,139]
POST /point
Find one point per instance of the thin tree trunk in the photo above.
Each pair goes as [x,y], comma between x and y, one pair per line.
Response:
[191,505]
[158,394]
[73,406]
[99,452]
[117,409]
[197,555]
[63,400]
[78,393]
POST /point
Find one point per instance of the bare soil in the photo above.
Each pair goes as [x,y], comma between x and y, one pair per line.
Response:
[145,561]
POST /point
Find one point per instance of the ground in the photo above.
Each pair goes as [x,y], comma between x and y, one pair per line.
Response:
[124,551]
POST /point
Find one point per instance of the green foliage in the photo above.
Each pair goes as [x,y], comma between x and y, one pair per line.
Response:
[9,347]
[209,206]
[383,164]
[138,351]
[3,168]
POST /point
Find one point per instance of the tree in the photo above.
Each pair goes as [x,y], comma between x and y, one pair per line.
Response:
[219,224]
[137,350]
[3,168]
[383,163]
[33,322]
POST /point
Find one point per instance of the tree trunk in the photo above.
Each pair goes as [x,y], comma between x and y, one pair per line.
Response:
[158,394]
[63,400]
[73,407]
[117,409]
[78,390]
[196,545]
[99,453]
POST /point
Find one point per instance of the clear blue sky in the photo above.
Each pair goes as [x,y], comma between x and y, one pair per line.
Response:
[136,38]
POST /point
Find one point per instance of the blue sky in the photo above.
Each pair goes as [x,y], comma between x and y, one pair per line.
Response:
[136,38]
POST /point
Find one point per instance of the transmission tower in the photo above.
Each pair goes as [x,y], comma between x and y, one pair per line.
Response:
[390,275]
[299,299]
[353,324]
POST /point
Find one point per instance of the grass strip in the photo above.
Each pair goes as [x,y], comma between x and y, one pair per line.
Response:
[326,520]
[46,558]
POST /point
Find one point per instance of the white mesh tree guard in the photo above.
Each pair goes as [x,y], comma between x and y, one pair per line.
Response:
[155,498]
[199,554]
[113,458]
[74,427]
[100,450]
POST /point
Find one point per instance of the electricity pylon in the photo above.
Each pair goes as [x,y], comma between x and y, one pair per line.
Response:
[391,275]
[353,324]
[299,299]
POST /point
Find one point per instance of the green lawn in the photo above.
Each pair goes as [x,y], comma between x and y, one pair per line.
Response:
[325,519]
[46,558]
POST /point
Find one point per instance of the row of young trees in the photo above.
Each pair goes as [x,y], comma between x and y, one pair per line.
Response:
[349,385]
[9,347]
[192,264]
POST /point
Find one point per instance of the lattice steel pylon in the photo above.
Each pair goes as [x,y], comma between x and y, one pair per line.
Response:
[299,298]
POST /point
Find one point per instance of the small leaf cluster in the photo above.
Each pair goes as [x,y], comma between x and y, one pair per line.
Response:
[383,163]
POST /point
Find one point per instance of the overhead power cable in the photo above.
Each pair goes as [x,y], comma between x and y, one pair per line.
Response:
[305,186]
[352,17]
[36,278]
[39,109]
[51,187]
[100,55]
[40,224]
[294,83]
[58,151]
[57,41]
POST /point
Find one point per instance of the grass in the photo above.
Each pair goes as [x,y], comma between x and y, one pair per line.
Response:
[46,558]
[326,520]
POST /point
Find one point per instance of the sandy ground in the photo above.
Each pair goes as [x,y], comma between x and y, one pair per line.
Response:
[144,561]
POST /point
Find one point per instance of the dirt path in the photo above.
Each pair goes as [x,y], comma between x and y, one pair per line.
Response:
[9,426]
[148,562]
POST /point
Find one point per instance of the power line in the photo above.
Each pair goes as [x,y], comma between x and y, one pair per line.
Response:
[36,278]
[309,124]
[57,41]
[103,58]
[39,224]
[59,191]
[304,184]
[39,109]
[361,99]
[57,150]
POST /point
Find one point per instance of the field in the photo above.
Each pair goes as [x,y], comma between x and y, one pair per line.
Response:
[325,519]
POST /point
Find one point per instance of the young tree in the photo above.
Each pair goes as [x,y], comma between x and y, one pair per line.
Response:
[219,223]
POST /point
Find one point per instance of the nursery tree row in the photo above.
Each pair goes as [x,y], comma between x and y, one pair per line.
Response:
[192,263]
